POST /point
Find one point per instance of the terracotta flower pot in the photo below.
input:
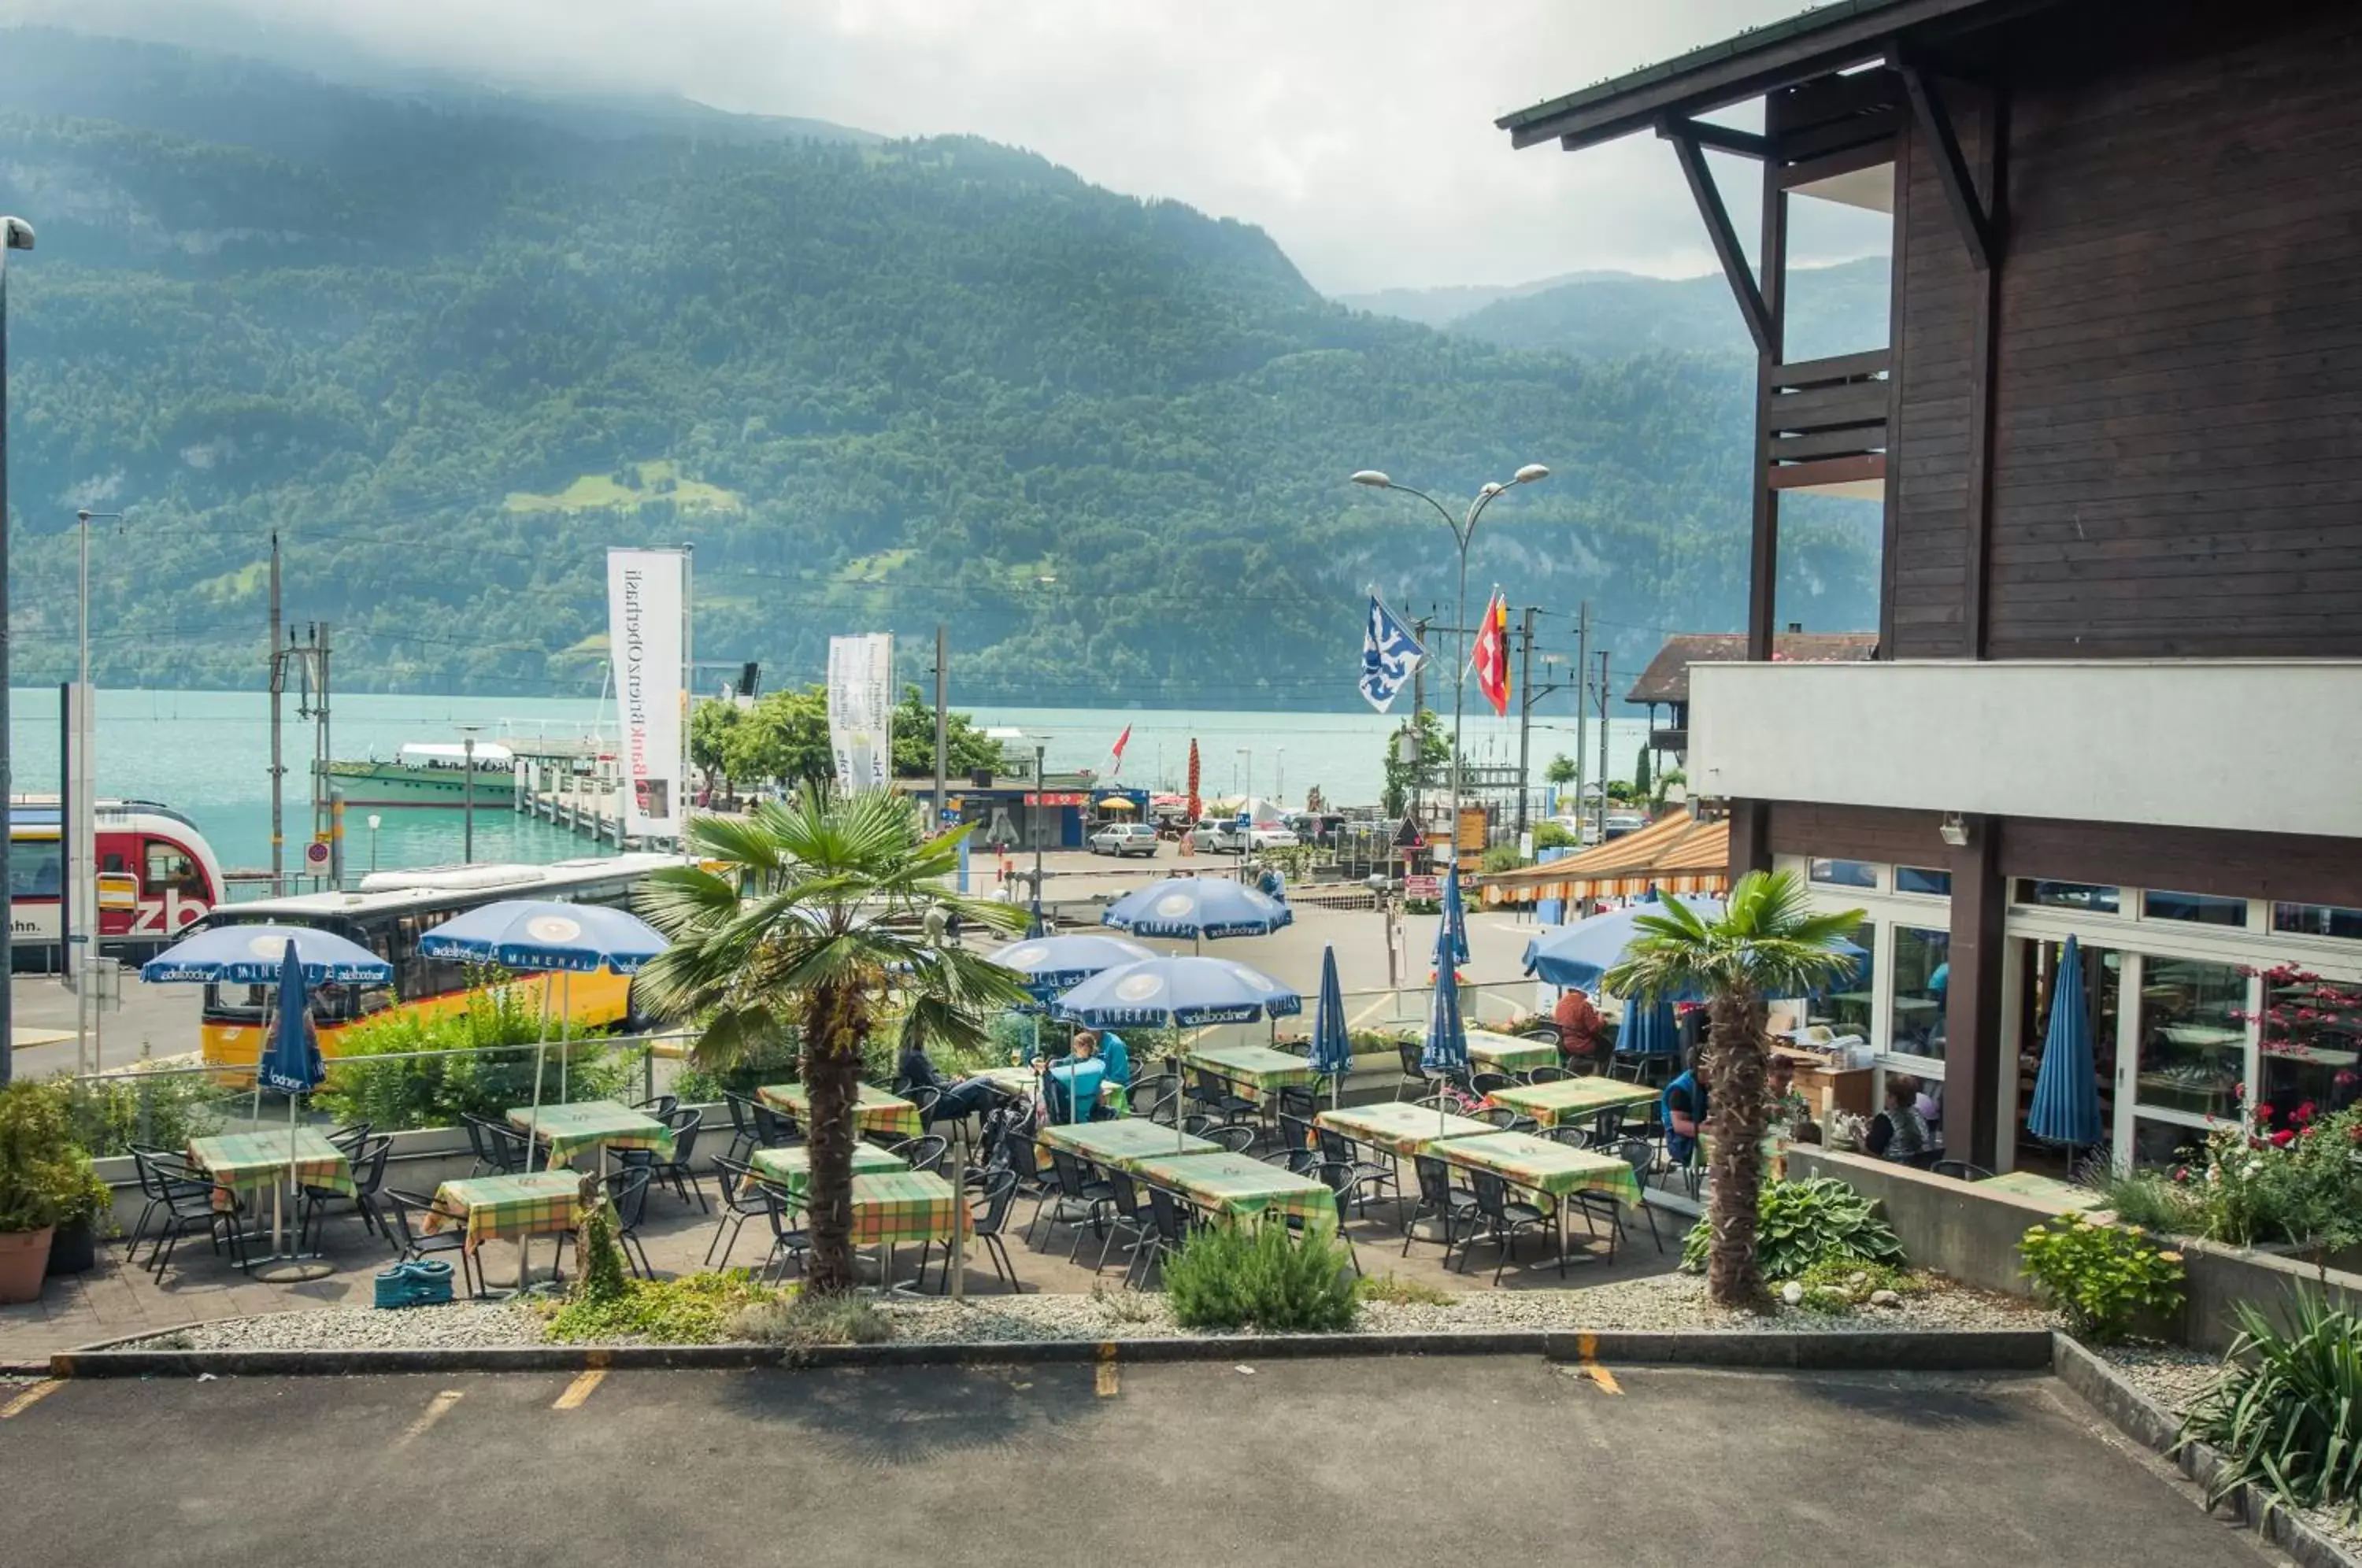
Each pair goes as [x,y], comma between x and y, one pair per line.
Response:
[24,1257]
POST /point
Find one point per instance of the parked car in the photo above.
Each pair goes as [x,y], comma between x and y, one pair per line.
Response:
[1120,839]
[1622,822]
[1214,836]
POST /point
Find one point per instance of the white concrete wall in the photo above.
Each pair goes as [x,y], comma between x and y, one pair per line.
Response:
[2257,744]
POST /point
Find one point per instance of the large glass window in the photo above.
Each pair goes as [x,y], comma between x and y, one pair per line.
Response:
[2193,1050]
[33,868]
[2311,1057]
[1923,972]
[1843,873]
[2317,919]
[1850,1009]
[1919,880]
[2203,909]
[2088,895]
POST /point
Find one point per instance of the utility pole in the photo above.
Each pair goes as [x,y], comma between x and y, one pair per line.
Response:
[943,724]
[278,765]
[1524,714]
[1602,745]
[468,797]
[15,234]
[309,659]
[1418,731]
[1582,708]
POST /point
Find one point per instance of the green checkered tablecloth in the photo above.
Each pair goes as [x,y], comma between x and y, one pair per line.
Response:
[1572,1100]
[1257,1070]
[1025,1080]
[1235,1185]
[1123,1144]
[1401,1129]
[253,1162]
[592,1124]
[508,1206]
[906,1206]
[873,1110]
[792,1168]
[1508,1054]
[1539,1166]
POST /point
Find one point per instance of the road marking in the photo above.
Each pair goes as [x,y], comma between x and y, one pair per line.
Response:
[1110,1380]
[30,1398]
[1601,1376]
[1372,1010]
[427,1418]
[579,1389]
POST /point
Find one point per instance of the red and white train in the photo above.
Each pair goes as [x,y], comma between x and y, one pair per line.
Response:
[156,876]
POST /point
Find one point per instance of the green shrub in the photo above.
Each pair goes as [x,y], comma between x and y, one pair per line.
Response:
[1233,1275]
[43,1177]
[603,1282]
[1502,858]
[493,1039]
[2102,1276]
[1551,836]
[800,1321]
[695,1310]
[165,1109]
[1396,1291]
[1838,1286]
[776,1061]
[2287,1409]
[1805,1223]
[2153,1203]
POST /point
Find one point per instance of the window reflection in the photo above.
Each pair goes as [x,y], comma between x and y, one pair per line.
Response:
[1844,873]
[1923,973]
[2202,908]
[2317,919]
[1848,1011]
[1919,880]
[2091,896]
[2193,1042]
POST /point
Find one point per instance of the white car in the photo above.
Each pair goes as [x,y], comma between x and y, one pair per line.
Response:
[1120,839]
[1271,837]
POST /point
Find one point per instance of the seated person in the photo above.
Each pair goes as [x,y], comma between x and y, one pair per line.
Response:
[1898,1132]
[1930,1104]
[914,1068]
[1117,1058]
[1686,1110]
[1578,1030]
[1075,1079]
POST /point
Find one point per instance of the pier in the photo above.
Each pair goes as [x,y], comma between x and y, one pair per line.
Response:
[575,785]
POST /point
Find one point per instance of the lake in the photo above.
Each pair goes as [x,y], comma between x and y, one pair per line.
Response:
[207,755]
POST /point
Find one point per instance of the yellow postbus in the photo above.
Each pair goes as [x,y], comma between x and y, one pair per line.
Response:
[389,914]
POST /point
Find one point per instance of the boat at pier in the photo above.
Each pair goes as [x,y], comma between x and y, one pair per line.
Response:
[430,773]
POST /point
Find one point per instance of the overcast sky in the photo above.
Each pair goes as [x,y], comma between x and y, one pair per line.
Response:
[1358,132]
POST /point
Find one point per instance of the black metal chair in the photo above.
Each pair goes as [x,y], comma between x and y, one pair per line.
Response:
[1502,1217]
[1571,1134]
[744,1139]
[926,1096]
[789,1240]
[1961,1170]
[494,1147]
[1546,1075]
[193,1203]
[1235,1137]
[1299,1144]
[1369,1175]
[745,1193]
[412,1244]
[661,1106]
[369,1175]
[681,1170]
[1157,1099]
[1508,1121]
[1023,1158]
[923,1154]
[1440,1200]
[1073,1200]
[1639,1154]
[156,1188]
[1484,1084]
[1169,1232]
[1220,1097]
[350,1138]
[1124,1219]
[1339,1180]
[998,1195]
[773,1129]
[1608,1128]
[628,1194]
[1295,1100]
[1414,1076]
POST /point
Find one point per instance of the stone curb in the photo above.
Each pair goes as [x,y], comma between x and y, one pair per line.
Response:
[2152,1426]
[1933,1351]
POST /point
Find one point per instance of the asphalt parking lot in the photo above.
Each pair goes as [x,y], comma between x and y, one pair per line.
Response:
[1505,1461]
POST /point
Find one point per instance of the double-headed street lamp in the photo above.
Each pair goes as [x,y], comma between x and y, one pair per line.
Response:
[15,234]
[1463,531]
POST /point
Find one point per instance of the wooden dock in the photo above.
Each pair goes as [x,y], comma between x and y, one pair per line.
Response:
[574,784]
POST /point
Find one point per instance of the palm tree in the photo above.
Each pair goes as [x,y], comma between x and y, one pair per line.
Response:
[1769,941]
[816,920]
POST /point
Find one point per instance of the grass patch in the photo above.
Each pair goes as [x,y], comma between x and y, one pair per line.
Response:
[1396,1291]
[800,1321]
[626,489]
[1123,1306]
[1838,1286]
[696,1310]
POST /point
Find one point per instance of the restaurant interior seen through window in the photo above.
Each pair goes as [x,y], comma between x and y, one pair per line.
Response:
[2192,1034]
[1921,975]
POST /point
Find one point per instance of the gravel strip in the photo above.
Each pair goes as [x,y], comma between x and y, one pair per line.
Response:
[467,1324]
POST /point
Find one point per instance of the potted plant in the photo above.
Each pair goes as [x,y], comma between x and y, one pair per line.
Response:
[87,1214]
[41,1174]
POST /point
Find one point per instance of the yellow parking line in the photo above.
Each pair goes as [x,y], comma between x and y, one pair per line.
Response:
[1601,1376]
[579,1389]
[30,1398]
[435,1409]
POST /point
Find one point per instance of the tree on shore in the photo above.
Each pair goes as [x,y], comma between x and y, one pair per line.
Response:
[815,921]
[1769,941]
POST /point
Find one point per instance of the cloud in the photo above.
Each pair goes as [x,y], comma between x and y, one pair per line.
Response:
[1359,132]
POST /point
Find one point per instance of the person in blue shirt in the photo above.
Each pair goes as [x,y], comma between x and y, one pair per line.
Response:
[1075,1080]
[1686,1110]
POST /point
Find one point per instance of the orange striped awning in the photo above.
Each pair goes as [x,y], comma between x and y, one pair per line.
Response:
[1677,853]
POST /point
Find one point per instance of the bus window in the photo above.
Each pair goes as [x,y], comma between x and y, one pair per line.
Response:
[33,868]
[170,865]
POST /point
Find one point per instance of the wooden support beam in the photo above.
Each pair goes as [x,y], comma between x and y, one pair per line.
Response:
[1722,138]
[1934,123]
[1726,239]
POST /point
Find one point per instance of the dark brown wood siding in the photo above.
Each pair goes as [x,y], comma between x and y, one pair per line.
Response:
[2178,434]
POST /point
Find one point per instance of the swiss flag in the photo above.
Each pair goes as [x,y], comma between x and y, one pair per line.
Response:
[1492,656]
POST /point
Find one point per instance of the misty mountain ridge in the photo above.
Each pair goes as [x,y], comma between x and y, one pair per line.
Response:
[451,354]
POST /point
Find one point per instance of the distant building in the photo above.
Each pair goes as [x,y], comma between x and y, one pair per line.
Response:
[2117,692]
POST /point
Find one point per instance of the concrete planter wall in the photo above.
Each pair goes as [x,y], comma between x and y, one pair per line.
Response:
[1971,1233]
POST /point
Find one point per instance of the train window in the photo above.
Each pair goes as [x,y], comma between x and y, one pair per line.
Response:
[170,865]
[111,863]
[33,870]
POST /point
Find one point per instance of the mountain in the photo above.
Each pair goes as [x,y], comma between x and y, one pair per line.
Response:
[449,352]
[1443,306]
[1838,309]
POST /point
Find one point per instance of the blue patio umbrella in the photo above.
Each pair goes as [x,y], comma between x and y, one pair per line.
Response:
[1447,1033]
[2066,1106]
[1199,908]
[1455,920]
[234,955]
[292,1065]
[541,934]
[1332,1047]
[1181,992]
[1049,965]
[1578,955]
[1649,1029]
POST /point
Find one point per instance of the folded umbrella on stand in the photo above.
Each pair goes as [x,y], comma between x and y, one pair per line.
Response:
[1333,1045]
[2066,1105]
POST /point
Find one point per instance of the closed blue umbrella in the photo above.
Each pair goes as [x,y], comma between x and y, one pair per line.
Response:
[1455,920]
[290,1065]
[1649,1029]
[1447,1033]
[2066,1107]
[1333,1048]
[1199,908]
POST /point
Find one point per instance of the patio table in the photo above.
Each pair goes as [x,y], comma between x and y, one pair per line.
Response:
[592,1124]
[1122,1144]
[906,1206]
[1508,1054]
[516,1207]
[1550,1170]
[1400,1128]
[792,1168]
[1571,1100]
[248,1162]
[1257,1070]
[1235,1185]
[874,1109]
[1025,1081]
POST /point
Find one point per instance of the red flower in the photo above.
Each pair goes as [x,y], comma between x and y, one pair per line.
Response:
[2263,1113]
[2283,1138]
[2238,1091]
[2304,1113]
[2182,1172]
[2306,1015]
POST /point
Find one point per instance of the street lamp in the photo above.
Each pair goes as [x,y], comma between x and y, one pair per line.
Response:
[468,795]
[1464,530]
[375,821]
[1033,821]
[15,234]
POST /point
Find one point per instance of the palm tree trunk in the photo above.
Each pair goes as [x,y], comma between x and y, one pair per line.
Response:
[834,1028]
[1739,1071]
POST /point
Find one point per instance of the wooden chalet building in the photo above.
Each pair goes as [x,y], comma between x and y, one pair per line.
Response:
[2117,433]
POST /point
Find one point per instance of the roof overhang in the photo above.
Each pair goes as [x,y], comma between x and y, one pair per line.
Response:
[1817,42]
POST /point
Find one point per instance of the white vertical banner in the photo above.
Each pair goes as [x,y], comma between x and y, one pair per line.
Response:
[643,633]
[861,710]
